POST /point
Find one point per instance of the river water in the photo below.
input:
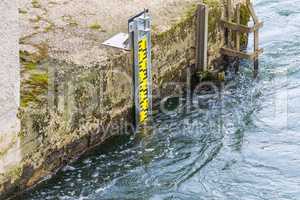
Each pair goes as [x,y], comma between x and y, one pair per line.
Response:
[242,144]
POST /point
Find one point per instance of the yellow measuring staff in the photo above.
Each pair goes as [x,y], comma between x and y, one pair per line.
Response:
[143,81]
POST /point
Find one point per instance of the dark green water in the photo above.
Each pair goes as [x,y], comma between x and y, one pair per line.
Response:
[245,145]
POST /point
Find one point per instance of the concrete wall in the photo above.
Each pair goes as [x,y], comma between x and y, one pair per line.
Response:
[9,84]
[59,122]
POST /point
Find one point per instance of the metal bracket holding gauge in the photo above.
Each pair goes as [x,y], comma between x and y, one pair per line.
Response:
[120,41]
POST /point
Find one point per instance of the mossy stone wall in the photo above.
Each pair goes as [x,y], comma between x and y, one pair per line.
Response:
[68,109]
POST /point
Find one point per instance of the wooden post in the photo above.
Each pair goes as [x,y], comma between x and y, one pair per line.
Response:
[229,32]
[256,38]
[252,12]
[238,21]
[256,49]
[201,37]
[238,37]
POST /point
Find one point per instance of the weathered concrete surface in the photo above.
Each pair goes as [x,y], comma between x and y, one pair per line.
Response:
[75,92]
[9,84]
[75,29]
[9,73]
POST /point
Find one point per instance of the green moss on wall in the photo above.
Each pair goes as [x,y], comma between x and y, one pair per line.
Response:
[178,31]
[95,26]
[34,80]
[15,173]
[33,89]
[35,4]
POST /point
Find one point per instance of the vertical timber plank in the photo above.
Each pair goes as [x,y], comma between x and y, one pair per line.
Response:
[252,12]
[201,37]
[256,49]
[229,32]
[238,37]
[256,37]
[238,21]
